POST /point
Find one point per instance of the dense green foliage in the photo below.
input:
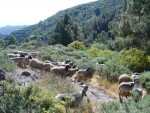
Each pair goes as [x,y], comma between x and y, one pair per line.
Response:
[77,45]
[117,24]
[145,80]
[134,59]
[127,107]
[29,99]
[92,19]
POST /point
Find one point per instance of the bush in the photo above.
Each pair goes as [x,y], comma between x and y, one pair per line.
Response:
[111,71]
[93,52]
[126,107]
[7,64]
[107,54]
[145,80]
[99,46]
[12,46]
[134,59]
[77,45]
[29,99]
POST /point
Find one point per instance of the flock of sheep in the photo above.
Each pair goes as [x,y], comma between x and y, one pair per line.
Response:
[63,69]
[130,86]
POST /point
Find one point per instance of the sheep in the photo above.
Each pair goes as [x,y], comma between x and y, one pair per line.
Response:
[54,63]
[134,76]
[37,64]
[49,66]
[81,74]
[21,61]
[72,71]
[124,78]
[64,63]
[75,98]
[34,54]
[10,55]
[125,89]
[137,91]
[62,71]
[20,52]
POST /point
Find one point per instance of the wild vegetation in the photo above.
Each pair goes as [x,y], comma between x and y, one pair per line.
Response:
[110,37]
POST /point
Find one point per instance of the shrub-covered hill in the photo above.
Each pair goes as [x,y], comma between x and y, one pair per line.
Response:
[90,14]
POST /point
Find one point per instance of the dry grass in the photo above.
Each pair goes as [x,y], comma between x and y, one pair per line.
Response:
[109,88]
[56,84]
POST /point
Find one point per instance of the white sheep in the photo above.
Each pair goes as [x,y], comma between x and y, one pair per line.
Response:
[137,91]
[20,52]
[125,89]
[33,54]
[124,78]
[37,64]
[134,76]
[75,98]
[10,55]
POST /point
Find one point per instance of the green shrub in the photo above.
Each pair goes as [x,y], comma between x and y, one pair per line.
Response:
[77,45]
[129,106]
[93,52]
[99,46]
[111,71]
[145,80]
[29,99]
[100,60]
[134,59]
[7,64]
[107,53]
[12,46]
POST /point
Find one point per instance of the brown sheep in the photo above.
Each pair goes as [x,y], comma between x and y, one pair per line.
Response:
[21,61]
[125,89]
[72,71]
[81,75]
[61,71]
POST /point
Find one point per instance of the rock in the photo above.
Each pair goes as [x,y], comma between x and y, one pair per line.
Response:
[25,73]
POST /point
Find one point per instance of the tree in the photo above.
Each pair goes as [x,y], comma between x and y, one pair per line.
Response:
[1,42]
[66,31]
[11,40]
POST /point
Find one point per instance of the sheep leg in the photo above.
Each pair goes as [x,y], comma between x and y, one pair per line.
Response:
[120,97]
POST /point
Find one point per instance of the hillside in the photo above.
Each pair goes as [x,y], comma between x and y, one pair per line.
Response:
[8,29]
[82,15]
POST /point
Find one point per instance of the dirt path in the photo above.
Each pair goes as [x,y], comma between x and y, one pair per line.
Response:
[94,94]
